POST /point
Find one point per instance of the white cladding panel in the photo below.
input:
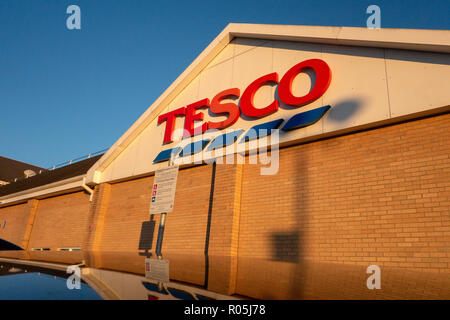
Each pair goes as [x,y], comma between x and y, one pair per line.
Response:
[358,94]
[367,85]
[418,81]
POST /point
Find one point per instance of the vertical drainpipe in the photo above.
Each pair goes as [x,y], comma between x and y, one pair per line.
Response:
[208,225]
[89,190]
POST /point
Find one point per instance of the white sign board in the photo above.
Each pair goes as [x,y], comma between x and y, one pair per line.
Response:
[163,191]
[157,269]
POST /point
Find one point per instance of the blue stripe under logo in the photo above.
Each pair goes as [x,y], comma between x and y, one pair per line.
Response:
[261,130]
[300,120]
[165,154]
[225,140]
[194,147]
[305,119]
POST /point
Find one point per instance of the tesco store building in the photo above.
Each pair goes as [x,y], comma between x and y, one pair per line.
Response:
[357,127]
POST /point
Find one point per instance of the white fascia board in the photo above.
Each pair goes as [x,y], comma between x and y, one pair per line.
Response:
[41,191]
[408,39]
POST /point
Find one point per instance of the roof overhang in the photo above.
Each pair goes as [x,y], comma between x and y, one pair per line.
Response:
[51,189]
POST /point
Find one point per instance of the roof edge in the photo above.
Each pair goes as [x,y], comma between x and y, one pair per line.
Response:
[408,39]
[47,189]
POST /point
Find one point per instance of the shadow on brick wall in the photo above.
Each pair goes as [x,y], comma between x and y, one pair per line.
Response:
[285,246]
[146,237]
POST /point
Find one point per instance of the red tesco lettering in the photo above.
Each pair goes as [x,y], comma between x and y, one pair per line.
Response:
[232,111]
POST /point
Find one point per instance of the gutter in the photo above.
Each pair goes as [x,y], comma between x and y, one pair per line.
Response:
[45,190]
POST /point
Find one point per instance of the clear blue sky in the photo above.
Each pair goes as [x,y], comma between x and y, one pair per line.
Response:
[65,93]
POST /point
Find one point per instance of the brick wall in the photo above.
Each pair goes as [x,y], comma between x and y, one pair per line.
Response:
[336,206]
[129,235]
[16,218]
[224,233]
[60,222]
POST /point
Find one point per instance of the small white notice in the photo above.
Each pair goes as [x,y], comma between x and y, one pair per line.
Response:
[157,269]
[163,191]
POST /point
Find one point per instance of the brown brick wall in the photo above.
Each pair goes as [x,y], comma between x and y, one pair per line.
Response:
[60,221]
[376,197]
[185,232]
[95,225]
[335,207]
[223,247]
[16,218]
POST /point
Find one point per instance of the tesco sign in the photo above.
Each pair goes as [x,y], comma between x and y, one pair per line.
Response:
[233,111]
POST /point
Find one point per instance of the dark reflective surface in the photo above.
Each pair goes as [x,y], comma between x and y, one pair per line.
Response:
[8,246]
[22,282]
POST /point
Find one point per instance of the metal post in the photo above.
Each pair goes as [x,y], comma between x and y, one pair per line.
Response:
[162,222]
[159,240]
